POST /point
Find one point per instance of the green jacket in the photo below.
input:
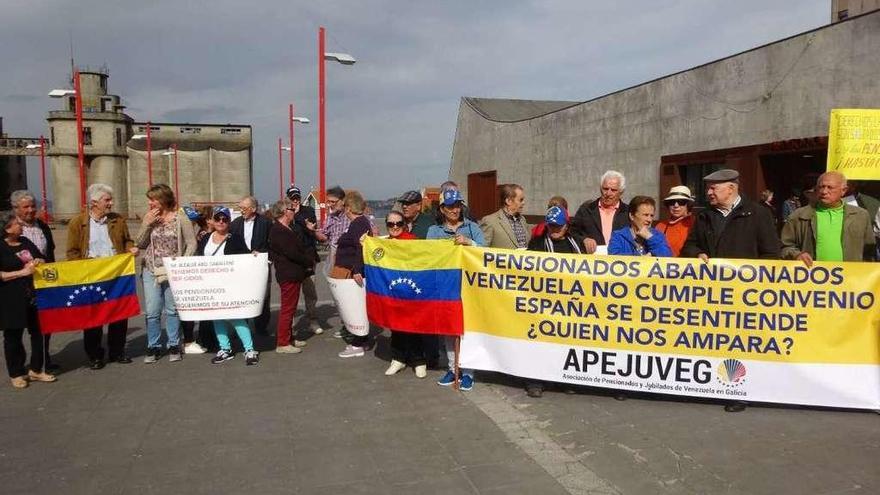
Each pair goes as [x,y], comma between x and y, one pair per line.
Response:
[799,234]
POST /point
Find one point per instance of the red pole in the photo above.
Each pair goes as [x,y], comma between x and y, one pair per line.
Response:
[79,140]
[321,137]
[280,171]
[290,122]
[176,181]
[149,156]
[45,208]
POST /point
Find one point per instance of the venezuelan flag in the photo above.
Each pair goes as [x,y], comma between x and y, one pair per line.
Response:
[414,286]
[74,295]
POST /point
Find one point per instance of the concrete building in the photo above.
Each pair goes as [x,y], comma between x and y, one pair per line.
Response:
[214,160]
[763,112]
[13,168]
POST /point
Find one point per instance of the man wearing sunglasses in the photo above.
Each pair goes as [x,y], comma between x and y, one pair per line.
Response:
[306,220]
[255,230]
[417,222]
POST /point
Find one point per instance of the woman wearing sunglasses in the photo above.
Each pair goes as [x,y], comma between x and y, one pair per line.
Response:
[223,243]
[676,228]
[406,348]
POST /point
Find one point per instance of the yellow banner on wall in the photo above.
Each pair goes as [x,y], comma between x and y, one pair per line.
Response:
[854,143]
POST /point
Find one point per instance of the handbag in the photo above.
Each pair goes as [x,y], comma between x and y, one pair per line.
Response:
[339,272]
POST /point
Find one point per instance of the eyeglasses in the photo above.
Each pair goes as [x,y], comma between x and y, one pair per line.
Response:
[221,219]
[676,202]
[392,225]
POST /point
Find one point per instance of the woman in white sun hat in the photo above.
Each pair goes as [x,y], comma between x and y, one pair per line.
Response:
[679,203]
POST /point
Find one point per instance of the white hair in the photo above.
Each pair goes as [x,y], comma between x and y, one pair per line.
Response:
[19,195]
[97,190]
[614,174]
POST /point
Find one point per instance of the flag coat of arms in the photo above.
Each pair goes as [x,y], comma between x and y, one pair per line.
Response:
[414,286]
[75,295]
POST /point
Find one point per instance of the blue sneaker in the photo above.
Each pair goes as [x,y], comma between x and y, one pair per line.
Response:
[466,383]
[447,380]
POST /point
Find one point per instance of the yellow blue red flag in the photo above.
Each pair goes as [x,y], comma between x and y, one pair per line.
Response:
[75,295]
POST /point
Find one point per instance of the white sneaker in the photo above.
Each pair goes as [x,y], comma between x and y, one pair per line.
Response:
[300,343]
[352,351]
[421,371]
[317,330]
[394,367]
[194,348]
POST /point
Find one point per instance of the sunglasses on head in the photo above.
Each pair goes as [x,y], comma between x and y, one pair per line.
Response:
[676,202]
[395,224]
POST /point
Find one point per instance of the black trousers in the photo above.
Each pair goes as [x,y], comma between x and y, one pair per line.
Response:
[207,337]
[116,333]
[408,348]
[261,323]
[431,349]
[13,349]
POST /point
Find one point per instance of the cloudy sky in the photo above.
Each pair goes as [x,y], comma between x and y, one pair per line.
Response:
[391,117]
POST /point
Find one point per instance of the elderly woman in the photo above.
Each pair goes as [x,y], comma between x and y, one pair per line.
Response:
[676,228]
[293,263]
[639,238]
[223,243]
[166,231]
[453,225]
[18,259]
[559,201]
[405,347]
[349,261]
[202,226]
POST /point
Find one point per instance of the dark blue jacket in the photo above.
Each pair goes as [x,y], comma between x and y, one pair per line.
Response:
[623,243]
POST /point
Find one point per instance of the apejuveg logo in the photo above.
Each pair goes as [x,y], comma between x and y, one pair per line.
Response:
[731,373]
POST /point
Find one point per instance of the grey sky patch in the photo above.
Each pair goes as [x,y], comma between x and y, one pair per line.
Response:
[394,112]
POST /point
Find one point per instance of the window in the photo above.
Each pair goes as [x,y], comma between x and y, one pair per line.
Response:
[71,103]
[143,128]
[190,130]
[52,136]
[692,176]
[118,136]
[87,136]
[230,130]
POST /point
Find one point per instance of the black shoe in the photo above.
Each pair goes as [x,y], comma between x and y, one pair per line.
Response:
[123,359]
[535,390]
[736,406]
[96,364]
[52,367]
[620,396]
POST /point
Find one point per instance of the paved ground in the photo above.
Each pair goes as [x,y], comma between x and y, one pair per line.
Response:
[314,423]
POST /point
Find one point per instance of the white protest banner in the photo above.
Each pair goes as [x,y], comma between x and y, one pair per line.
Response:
[351,299]
[218,287]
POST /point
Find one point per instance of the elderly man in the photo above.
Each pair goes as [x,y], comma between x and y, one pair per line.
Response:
[24,204]
[830,230]
[417,222]
[94,234]
[255,230]
[732,226]
[306,220]
[507,228]
[595,220]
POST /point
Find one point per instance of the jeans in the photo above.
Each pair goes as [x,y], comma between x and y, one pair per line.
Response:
[221,328]
[158,297]
[449,342]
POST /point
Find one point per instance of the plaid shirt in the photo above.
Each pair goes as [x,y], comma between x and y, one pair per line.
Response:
[519,229]
[337,223]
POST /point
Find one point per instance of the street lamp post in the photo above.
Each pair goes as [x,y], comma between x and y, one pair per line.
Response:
[44,207]
[292,120]
[344,59]
[78,109]
[173,152]
[149,156]
[280,170]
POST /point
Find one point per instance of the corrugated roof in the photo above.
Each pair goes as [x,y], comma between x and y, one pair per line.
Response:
[504,110]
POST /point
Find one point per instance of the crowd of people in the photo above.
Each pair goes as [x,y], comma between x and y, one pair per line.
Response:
[730,226]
